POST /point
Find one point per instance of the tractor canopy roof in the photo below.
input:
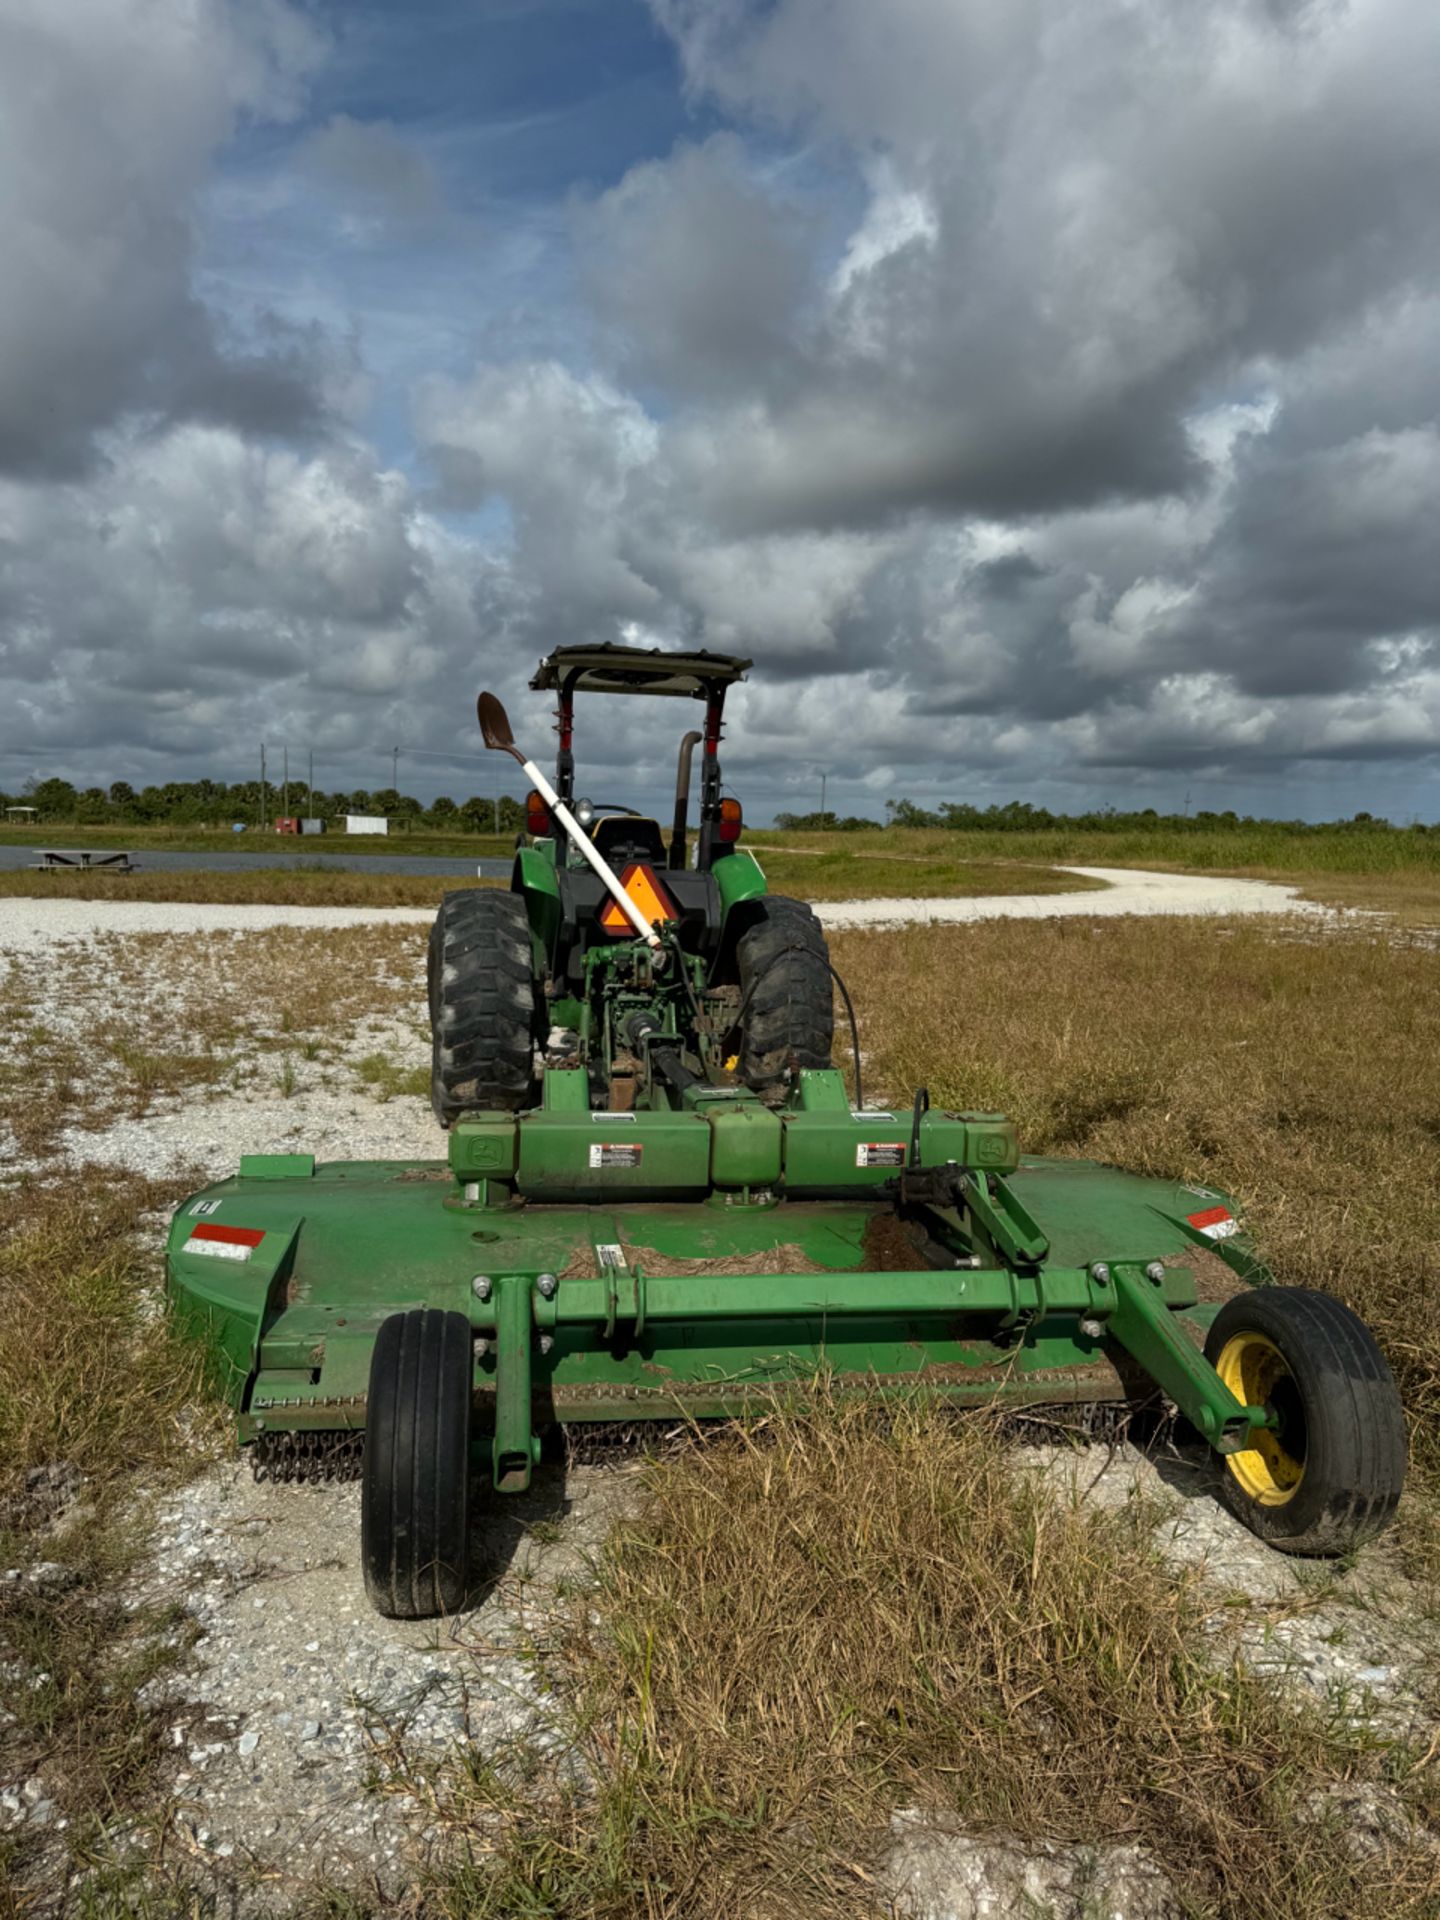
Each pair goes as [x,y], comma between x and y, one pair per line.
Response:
[607,668]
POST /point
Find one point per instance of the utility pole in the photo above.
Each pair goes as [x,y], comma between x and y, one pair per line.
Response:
[310,785]
[395,770]
[497,813]
[285,783]
[260,823]
[822,793]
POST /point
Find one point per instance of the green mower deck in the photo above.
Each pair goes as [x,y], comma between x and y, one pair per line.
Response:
[654,1308]
[894,1265]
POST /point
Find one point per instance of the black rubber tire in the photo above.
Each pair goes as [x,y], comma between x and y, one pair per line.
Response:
[788,1014]
[415,1488]
[483,998]
[1349,1412]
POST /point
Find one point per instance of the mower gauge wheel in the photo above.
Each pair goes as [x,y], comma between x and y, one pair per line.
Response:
[1327,1473]
[415,1492]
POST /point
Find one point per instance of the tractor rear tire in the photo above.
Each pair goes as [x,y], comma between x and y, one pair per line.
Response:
[1328,1476]
[788,1016]
[415,1493]
[481,984]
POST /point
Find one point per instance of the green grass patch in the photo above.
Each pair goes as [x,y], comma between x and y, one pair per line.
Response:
[387,1078]
[137,840]
[257,886]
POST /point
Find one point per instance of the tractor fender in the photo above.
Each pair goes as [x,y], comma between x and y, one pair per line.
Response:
[535,879]
[741,884]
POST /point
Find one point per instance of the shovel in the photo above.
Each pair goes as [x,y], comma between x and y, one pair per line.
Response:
[495,731]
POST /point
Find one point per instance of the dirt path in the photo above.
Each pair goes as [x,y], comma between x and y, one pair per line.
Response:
[1126,890]
[28,925]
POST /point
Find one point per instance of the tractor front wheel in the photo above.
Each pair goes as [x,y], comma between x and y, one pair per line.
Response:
[415,1493]
[1327,1474]
[787,1015]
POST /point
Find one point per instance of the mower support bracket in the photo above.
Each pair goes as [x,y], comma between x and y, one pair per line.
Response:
[1139,1318]
[516,1447]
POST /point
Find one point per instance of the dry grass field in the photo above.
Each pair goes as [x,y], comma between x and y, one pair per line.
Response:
[1295,1068]
[802,1627]
[832,874]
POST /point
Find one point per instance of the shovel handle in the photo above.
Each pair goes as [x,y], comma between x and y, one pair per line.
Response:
[593,854]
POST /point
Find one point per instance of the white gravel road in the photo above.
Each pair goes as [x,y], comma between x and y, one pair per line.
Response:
[1123,890]
[30,925]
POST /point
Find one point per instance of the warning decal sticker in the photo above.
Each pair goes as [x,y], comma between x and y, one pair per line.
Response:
[611,1255]
[880,1153]
[223,1243]
[615,1153]
[205,1206]
[1216,1223]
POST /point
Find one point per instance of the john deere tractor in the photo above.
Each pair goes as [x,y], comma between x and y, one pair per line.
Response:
[661,1199]
[737,991]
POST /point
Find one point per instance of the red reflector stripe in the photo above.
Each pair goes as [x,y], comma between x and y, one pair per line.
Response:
[234,1236]
[1209,1217]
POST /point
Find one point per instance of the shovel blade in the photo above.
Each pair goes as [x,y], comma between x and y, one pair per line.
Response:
[494,723]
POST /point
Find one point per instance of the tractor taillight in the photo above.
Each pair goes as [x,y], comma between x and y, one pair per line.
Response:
[537,815]
[731,821]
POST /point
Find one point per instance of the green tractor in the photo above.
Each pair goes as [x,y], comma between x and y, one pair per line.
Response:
[660,1200]
[735,990]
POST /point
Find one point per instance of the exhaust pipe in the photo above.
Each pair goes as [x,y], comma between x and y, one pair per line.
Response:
[682,798]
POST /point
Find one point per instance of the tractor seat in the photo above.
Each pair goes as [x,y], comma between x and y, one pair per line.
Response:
[621,838]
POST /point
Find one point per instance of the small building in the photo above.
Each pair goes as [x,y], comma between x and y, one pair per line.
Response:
[312,826]
[287,823]
[22,816]
[365,822]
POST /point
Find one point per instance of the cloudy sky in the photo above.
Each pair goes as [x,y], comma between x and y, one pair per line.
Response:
[1045,392]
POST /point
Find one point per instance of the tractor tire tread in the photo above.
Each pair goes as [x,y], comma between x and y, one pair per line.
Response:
[1355,1423]
[483,1001]
[785,988]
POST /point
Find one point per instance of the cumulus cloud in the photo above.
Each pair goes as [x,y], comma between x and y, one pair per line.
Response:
[110,115]
[1110,420]
[210,581]
[1034,388]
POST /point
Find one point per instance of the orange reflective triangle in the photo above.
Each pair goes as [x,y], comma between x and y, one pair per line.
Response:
[647,893]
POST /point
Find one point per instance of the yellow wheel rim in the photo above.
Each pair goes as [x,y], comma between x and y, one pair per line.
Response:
[1257,1373]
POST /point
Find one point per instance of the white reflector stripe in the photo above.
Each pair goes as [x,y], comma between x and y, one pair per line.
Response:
[1216,1223]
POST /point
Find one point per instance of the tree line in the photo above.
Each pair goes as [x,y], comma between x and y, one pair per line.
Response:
[1018,816]
[213,803]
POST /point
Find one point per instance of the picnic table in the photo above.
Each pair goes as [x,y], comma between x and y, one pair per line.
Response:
[88,862]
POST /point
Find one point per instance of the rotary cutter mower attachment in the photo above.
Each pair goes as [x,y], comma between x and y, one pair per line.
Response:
[660,1200]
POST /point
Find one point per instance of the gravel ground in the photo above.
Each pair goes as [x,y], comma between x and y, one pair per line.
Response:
[298,1691]
[32,926]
